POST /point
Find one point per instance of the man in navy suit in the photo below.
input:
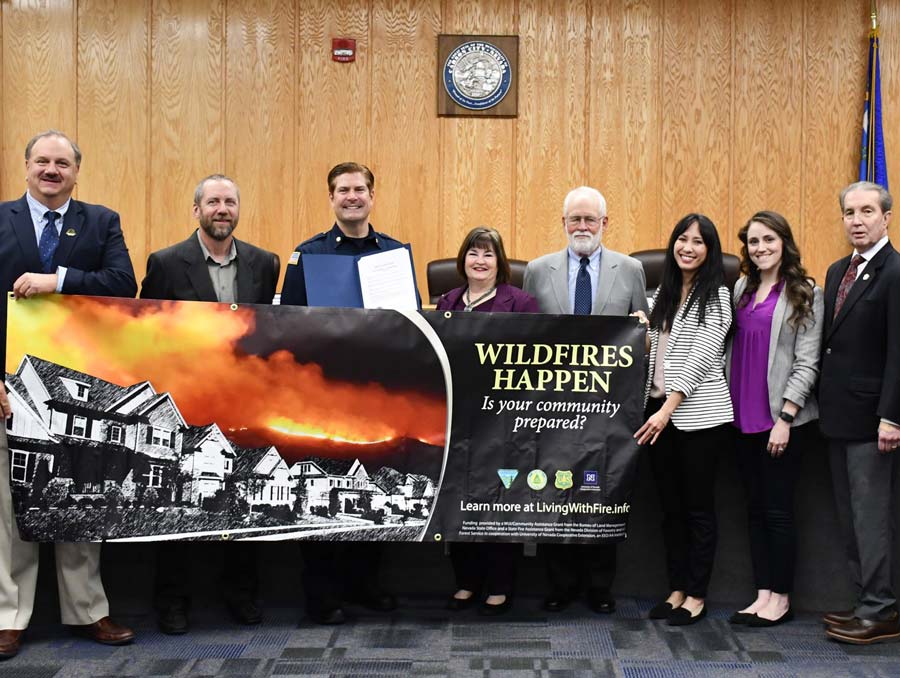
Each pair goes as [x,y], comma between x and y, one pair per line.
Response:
[51,243]
[859,408]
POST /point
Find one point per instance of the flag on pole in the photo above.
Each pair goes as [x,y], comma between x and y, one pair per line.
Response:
[873,165]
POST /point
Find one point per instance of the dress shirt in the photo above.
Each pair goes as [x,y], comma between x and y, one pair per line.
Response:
[593,269]
[223,275]
[38,210]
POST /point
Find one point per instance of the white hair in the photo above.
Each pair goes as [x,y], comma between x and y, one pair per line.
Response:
[585,190]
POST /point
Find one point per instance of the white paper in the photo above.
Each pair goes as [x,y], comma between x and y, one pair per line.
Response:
[386,280]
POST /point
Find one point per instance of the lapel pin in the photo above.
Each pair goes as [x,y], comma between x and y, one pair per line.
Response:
[865,276]
[70,232]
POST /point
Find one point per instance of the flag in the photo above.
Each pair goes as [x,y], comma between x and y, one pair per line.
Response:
[873,165]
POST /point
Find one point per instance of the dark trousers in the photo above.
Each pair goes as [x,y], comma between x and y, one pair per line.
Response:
[172,585]
[334,571]
[575,567]
[484,566]
[862,479]
[684,467]
[770,483]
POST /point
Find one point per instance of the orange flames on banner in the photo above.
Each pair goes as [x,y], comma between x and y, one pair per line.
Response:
[190,350]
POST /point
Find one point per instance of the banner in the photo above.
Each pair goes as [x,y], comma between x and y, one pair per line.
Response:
[151,420]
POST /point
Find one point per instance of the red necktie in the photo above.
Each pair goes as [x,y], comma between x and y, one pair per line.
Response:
[846,283]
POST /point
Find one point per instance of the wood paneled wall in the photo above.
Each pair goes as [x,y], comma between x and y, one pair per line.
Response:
[719,106]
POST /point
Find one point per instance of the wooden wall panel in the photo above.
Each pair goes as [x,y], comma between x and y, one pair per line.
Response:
[113,62]
[39,80]
[332,106]
[259,124]
[623,130]
[696,117]
[889,18]
[404,144]
[551,144]
[768,105]
[478,159]
[187,140]
[833,95]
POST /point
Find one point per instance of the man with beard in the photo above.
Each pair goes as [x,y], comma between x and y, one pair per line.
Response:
[338,571]
[50,243]
[584,279]
[211,265]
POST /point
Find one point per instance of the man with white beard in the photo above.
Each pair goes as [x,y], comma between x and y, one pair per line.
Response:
[585,278]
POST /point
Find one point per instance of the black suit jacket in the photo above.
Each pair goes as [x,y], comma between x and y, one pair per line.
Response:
[860,371]
[179,273]
[91,247]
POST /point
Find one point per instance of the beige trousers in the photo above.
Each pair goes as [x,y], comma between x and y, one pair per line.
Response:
[82,599]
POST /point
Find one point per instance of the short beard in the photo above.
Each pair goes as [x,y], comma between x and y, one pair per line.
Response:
[582,248]
[218,233]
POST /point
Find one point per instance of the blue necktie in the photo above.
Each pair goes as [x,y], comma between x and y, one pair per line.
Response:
[49,241]
[583,289]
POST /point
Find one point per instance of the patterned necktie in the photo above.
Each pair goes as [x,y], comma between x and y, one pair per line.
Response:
[846,283]
[49,241]
[583,289]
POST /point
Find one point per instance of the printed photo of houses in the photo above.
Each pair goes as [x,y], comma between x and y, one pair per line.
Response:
[138,419]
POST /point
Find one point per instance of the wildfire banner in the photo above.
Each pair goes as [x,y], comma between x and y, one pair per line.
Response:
[152,420]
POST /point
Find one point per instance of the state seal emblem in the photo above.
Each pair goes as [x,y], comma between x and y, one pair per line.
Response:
[477,75]
[536,479]
[563,480]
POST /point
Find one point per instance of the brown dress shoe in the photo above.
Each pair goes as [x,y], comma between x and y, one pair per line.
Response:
[865,631]
[839,617]
[10,642]
[106,632]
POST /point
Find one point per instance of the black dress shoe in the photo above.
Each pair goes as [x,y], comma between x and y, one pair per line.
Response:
[557,601]
[173,620]
[457,604]
[661,610]
[601,601]
[742,618]
[244,611]
[682,617]
[328,617]
[375,599]
[758,622]
[486,610]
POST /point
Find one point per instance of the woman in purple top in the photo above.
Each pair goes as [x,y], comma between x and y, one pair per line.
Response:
[482,262]
[772,366]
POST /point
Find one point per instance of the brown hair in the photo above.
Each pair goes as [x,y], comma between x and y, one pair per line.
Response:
[53,133]
[798,286]
[488,239]
[350,168]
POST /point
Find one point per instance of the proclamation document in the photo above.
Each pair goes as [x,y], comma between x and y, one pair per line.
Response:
[387,280]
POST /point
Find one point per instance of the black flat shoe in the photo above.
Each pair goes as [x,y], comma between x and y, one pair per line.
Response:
[661,610]
[742,618]
[486,610]
[457,604]
[682,617]
[601,601]
[758,622]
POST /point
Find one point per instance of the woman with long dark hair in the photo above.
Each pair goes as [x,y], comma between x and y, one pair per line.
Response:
[688,409]
[778,333]
[482,262]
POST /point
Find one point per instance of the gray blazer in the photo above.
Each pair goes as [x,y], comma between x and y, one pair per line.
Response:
[793,357]
[622,288]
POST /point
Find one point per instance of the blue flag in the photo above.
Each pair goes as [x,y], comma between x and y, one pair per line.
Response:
[873,165]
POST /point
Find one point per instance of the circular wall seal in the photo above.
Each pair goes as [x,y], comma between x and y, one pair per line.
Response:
[477,75]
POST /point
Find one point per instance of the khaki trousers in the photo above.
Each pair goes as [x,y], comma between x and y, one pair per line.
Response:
[82,599]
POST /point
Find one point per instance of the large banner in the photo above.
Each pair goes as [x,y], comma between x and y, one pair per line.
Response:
[150,420]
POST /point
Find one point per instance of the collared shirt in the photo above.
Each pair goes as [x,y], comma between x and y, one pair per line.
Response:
[223,275]
[593,271]
[868,255]
[38,210]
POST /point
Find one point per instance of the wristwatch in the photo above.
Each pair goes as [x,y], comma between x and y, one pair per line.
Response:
[784,416]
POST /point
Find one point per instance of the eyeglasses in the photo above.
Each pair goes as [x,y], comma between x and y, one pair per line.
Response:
[591,222]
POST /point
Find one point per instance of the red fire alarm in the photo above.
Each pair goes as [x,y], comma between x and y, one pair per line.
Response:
[343,49]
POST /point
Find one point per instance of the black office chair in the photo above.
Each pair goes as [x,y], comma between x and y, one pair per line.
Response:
[442,276]
[654,260]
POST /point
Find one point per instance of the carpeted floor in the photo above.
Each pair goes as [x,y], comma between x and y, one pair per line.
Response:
[422,639]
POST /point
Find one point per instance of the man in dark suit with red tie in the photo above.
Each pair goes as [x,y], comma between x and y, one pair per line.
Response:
[52,243]
[859,404]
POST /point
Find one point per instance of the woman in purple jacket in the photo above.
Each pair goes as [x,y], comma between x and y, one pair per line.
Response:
[482,262]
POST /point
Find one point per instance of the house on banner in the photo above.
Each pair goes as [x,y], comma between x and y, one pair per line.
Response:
[405,492]
[207,460]
[263,477]
[339,485]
